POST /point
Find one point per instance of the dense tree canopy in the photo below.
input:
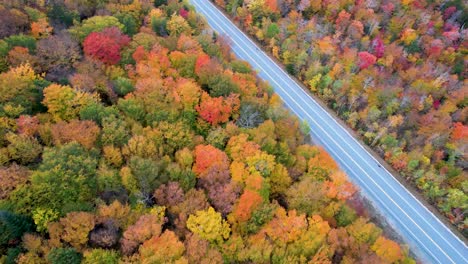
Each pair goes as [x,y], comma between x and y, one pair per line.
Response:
[105,46]
[395,71]
[147,141]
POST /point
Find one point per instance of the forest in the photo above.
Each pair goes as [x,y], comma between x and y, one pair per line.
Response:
[394,71]
[129,133]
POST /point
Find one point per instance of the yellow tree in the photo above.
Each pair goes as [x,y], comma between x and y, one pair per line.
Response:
[208,224]
[187,93]
[363,232]
[313,240]
[63,103]
[387,249]
[239,147]
[76,227]
[17,85]
[178,25]
[262,162]
[279,179]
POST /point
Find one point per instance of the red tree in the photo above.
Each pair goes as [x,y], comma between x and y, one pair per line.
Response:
[366,59]
[379,47]
[183,13]
[105,46]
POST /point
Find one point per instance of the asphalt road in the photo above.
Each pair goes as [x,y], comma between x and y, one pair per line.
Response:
[427,236]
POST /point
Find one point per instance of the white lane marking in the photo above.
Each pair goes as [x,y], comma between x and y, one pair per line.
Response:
[370,189]
[355,141]
[343,150]
[385,179]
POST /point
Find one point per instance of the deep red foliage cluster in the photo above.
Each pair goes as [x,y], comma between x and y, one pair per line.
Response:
[106,45]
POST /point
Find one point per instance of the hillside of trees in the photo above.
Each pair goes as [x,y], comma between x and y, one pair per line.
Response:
[394,71]
[129,133]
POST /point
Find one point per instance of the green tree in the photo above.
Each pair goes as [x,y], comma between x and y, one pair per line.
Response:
[345,216]
[22,41]
[148,175]
[272,30]
[101,256]
[132,108]
[158,3]
[129,22]
[97,112]
[94,24]
[175,136]
[3,56]
[123,86]
[456,199]
[222,85]
[159,25]
[11,255]
[65,181]
[114,132]
[12,228]
[59,12]
[64,256]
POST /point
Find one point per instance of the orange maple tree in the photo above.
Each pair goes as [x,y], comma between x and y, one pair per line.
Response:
[201,61]
[217,110]
[248,202]
[459,131]
[207,156]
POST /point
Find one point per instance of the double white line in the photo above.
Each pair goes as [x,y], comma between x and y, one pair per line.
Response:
[228,29]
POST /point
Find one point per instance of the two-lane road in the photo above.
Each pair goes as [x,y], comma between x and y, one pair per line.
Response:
[428,237]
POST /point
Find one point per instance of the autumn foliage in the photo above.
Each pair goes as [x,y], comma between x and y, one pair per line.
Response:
[159,146]
[41,28]
[460,131]
[201,61]
[106,45]
[207,156]
[248,202]
[83,132]
[398,82]
[366,59]
[217,110]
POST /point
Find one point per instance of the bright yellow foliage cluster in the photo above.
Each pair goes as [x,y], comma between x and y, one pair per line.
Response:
[209,225]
